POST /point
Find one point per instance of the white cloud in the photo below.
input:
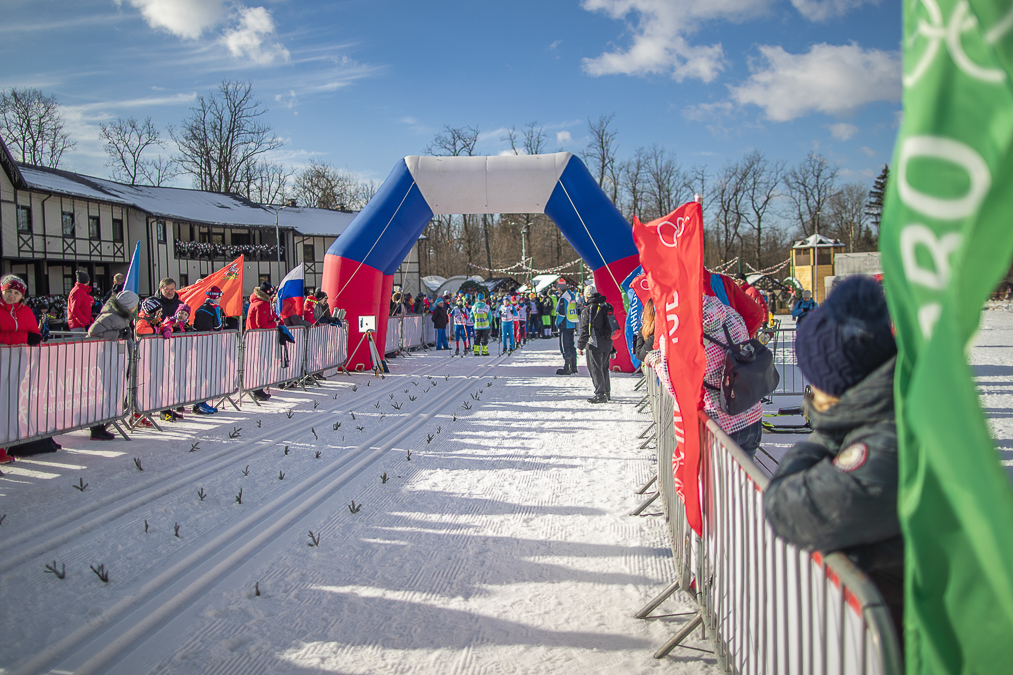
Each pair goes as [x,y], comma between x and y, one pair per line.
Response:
[563,138]
[251,38]
[837,80]
[704,112]
[554,45]
[185,18]
[659,37]
[842,131]
[869,152]
[288,100]
[823,10]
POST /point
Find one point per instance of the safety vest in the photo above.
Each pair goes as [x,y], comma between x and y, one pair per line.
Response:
[571,309]
[481,313]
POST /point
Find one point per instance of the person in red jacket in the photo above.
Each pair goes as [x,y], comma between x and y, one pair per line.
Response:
[79,303]
[757,297]
[309,309]
[17,324]
[261,315]
[728,292]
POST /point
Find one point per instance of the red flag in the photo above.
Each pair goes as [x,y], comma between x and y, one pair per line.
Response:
[671,252]
[229,279]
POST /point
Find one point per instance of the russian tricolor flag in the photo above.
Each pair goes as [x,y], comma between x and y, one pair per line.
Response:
[291,293]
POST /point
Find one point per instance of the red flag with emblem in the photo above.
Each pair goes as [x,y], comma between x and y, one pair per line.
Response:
[229,279]
[671,252]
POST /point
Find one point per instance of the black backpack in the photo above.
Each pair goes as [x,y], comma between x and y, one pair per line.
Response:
[749,374]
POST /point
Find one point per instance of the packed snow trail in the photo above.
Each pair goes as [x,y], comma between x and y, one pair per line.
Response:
[502,545]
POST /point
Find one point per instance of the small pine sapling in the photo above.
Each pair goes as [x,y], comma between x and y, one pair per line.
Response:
[246,471]
[314,539]
[81,485]
[256,589]
[352,414]
[383,478]
[286,451]
[314,432]
[235,432]
[355,387]
[145,527]
[201,494]
[454,418]
[317,455]
[336,426]
[488,384]
[175,530]
[137,463]
[195,447]
[360,428]
[289,414]
[382,415]
[239,497]
[59,573]
[466,406]
[439,429]
[101,572]
[415,383]
[412,398]
[3,518]
[405,391]
[426,390]
[353,507]
[377,405]
[316,404]
[281,475]
[429,438]
[396,406]
[447,377]
[408,456]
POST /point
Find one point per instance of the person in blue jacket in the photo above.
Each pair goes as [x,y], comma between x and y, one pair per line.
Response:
[567,318]
[802,308]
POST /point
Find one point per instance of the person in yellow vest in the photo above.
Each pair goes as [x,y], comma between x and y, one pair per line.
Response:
[567,319]
[482,315]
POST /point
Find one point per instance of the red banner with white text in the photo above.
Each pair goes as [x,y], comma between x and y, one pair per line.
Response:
[671,252]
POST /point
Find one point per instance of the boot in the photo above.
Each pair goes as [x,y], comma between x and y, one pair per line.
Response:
[477,351]
[565,370]
[573,365]
[100,433]
[4,457]
[485,350]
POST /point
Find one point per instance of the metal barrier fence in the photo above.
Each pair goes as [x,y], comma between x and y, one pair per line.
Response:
[267,363]
[413,331]
[767,606]
[326,347]
[60,387]
[782,345]
[392,341]
[186,369]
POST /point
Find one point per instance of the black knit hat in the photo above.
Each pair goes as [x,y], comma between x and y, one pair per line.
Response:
[267,288]
[847,338]
[81,277]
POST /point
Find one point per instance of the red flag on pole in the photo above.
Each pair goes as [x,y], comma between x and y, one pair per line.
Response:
[671,252]
[229,279]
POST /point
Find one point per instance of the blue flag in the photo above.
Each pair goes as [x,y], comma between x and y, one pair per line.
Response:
[634,308]
[132,282]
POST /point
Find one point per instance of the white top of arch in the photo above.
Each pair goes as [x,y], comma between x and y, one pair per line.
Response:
[501,184]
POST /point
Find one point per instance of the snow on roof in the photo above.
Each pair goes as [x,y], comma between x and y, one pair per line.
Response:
[433,281]
[817,240]
[539,283]
[196,206]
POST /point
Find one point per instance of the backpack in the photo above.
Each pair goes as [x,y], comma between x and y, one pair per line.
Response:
[749,374]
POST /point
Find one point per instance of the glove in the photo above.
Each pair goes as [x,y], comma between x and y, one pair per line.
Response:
[34,339]
[166,331]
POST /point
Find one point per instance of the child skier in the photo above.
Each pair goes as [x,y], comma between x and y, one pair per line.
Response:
[481,315]
[507,320]
[459,315]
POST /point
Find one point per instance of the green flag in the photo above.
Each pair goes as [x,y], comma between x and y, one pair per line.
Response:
[946,240]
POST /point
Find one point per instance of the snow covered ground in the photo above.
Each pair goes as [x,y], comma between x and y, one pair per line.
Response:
[503,545]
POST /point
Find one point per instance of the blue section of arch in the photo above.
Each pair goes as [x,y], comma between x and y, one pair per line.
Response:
[386,228]
[589,221]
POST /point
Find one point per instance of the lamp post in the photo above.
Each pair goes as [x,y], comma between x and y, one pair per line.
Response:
[277,236]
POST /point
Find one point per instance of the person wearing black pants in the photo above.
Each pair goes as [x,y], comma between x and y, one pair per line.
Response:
[595,335]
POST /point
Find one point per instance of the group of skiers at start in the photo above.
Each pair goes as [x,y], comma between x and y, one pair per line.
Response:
[473,323]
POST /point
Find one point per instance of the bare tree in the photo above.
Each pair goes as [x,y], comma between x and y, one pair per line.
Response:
[810,186]
[224,138]
[600,154]
[534,138]
[367,189]
[125,143]
[634,177]
[760,182]
[160,170]
[847,217]
[727,197]
[667,186]
[32,126]
[323,186]
[265,182]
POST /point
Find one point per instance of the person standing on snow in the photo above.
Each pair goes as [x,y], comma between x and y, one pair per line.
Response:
[79,304]
[440,320]
[208,317]
[482,316]
[521,308]
[802,308]
[261,316]
[506,319]
[469,322]
[459,315]
[756,295]
[595,335]
[566,319]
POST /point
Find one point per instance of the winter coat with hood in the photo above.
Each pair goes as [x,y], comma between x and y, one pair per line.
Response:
[79,304]
[837,490]
[208,317]
[16,322]
[113,322]
[595,316]
[440,319]
[260,314]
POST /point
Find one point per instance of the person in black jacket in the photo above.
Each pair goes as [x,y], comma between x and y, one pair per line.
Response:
[595,335]
[440,321]
[837,490]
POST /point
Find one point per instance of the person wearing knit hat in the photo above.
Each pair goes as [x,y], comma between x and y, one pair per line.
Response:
[79,303]
[114,322]
[837,491]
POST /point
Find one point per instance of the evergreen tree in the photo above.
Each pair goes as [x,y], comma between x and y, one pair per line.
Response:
[874,207]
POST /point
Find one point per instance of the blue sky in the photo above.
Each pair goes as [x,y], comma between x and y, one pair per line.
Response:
[360,84]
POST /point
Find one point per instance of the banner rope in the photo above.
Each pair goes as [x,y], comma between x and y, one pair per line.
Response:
[593,242]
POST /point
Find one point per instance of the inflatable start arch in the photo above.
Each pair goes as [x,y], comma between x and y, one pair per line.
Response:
[359,266]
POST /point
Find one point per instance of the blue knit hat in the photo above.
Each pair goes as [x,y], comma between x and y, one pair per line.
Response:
[846,338]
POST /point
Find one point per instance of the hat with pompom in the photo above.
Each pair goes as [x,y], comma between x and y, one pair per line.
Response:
[847,338]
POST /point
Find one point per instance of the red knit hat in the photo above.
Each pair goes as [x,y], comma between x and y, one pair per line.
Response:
[13,282]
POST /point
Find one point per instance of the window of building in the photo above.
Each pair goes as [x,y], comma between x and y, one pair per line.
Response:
[308,254]
[160,231]
[184,280]
[94,229]
[24,219]
[67,221]
[118,230]
[241,239]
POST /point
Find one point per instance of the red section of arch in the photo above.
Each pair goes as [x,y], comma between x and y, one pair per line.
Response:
[361,288]
[386,290]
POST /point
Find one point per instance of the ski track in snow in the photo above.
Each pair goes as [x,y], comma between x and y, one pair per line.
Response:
[502,546]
